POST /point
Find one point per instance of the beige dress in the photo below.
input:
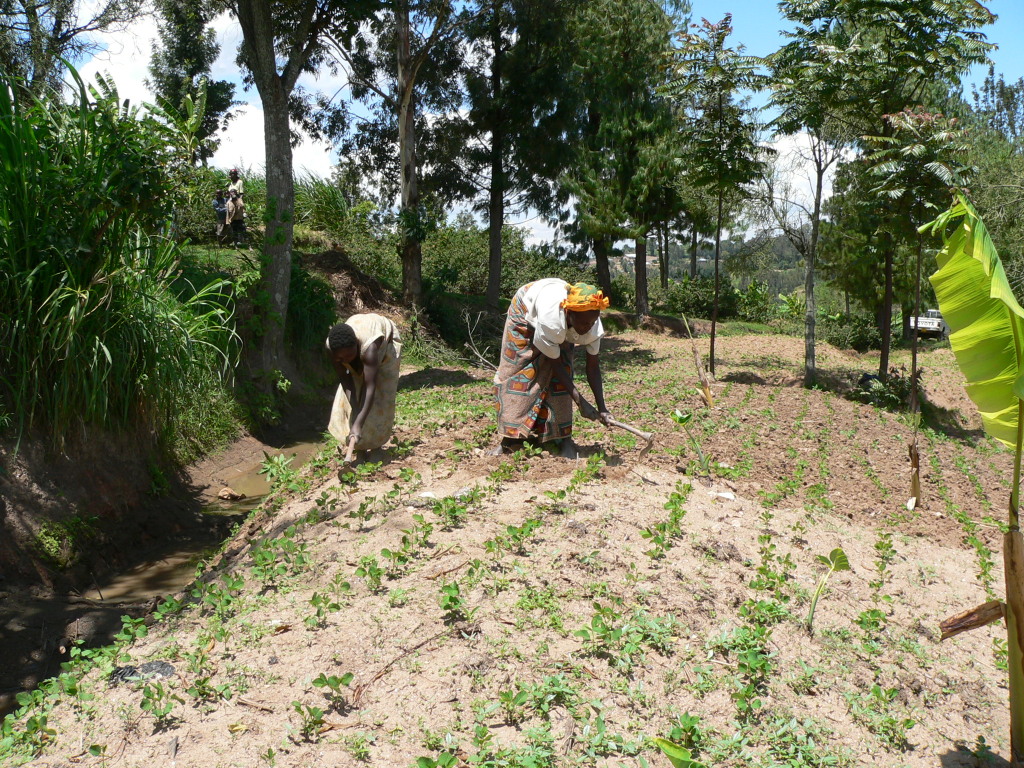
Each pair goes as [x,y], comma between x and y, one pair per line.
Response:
[381,419]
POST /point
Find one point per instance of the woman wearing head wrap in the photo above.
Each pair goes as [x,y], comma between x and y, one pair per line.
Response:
[534,384]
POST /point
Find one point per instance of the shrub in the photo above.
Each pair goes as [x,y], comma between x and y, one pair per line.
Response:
[92,329]
[850,332]
[756,304]
[694,297]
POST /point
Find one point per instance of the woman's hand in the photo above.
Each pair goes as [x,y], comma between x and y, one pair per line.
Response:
[587,411]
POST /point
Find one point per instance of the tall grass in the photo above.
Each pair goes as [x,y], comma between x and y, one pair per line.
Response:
[91,331]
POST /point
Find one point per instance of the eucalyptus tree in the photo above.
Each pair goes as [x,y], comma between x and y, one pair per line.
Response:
[871,58]
[808,107]
[997,151]
[38,36]
[404,62]
[629,157]
[520,108]
[720,131]
[280,42]
[182,60]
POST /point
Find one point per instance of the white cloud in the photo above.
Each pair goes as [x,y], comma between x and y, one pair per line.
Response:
[242,146]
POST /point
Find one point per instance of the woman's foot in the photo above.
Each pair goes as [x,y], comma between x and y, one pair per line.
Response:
[569,450]
[506,446]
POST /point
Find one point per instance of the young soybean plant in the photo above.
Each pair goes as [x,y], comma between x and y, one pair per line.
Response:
[836,561]
[987,338]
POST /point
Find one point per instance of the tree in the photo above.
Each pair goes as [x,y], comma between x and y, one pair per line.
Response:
[871,58]
[187,50]
[280,42]
[402,61]
[36,35]
[626,162]
[997,152]
[521,104]
[721,151]
[807,106]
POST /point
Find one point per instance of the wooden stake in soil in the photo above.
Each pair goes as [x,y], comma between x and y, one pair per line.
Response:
[1013,562]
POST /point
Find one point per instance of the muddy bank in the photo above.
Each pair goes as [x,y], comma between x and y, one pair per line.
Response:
[132,549]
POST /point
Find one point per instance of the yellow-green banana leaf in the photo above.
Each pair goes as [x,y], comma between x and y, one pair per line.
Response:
[986,322]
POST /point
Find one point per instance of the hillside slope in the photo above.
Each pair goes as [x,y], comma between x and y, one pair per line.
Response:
[531,611]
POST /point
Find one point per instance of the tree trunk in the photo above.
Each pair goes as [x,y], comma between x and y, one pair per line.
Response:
[411,227]
[256,20]
[714,307]
[643,308]
[693,252]
[277,241]
[604,275]
[496,206]
[886,315]
[811,315]
[664,256]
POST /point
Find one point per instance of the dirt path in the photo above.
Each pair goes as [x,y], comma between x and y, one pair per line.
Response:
[534,611]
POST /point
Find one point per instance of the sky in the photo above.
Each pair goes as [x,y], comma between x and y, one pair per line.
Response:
[756,25]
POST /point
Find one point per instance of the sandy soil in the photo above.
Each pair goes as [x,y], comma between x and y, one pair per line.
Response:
[509,676]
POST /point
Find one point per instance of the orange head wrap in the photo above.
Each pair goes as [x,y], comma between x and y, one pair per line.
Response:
[583,297]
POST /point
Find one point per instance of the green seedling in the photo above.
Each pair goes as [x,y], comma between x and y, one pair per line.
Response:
[203,690]
[370,571]
[443,760]
[334,686]
[159,701]
[679,757]
[836,561]
[311,720]
[454,604]
[322,605]
[684,420]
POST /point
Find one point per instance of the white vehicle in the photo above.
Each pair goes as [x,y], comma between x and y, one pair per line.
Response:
[930,324]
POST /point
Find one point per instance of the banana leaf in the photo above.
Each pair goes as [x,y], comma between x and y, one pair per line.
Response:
[986,322]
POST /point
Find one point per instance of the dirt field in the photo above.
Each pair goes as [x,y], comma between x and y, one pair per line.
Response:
[531,611]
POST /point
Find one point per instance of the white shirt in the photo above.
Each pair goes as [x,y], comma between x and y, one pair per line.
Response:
[544,313]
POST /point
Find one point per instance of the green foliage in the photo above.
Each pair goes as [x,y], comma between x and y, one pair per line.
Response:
[893,394]
[857,332]
[875,710]
[678,756]
[311,310]
[90,328]
[311,720]
[453,603]
[623,639]
[695,297]
[836,561]
[61,542]
[159,702]
[334,685]
[757,304]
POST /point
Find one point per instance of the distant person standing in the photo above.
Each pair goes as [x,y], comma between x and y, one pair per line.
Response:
[236,217]
[220,207]
[237,183]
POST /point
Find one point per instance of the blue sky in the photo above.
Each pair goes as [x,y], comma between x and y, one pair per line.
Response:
[756,24]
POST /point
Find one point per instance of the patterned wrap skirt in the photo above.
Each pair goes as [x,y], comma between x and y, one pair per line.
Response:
[531,403]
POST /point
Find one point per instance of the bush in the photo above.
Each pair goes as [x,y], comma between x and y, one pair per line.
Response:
[624,293]
[694,297]
[311,311]
[757,304]
[92,330]
[892,394]
[854,332]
